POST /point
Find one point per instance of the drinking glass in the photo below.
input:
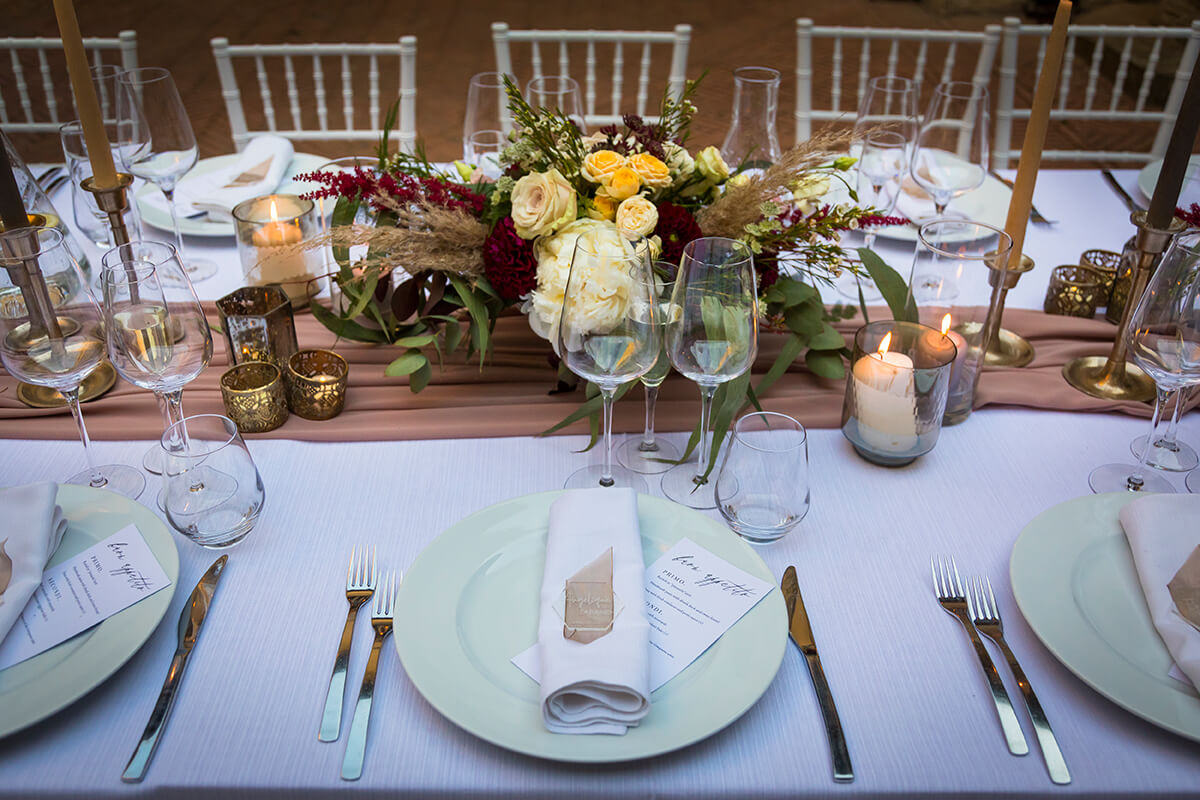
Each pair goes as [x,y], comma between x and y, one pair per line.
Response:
[1167,452]
[156,143]
[951,154]
[52,339]
[487,122]
[714,340]
[648,455]
[890,104]
[762,485]
[752,143]
[212,492]
[158,338]
[557,93]
[607,335]
[1164,340]
[881,168]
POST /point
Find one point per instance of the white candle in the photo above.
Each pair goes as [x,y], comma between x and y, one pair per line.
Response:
[885,398]
[960,345]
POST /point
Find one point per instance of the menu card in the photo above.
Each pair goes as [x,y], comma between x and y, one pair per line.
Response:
[692,597]
[84,591]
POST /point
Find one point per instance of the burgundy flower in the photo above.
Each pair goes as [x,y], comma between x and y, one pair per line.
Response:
[508,261]
[1191,216]
[766,264]
[676,227]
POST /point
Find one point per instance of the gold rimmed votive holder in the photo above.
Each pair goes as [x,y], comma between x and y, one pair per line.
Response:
[1105,262]
[316,383]
[254,396]
[258,325]
[1074,291]
[271,232]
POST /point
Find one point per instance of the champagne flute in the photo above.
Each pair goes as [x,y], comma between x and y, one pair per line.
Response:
[714,341]
[557,93]
[951,155]
[156,143]
[1164,340]
[487,122]
[158,338]
[50,339]
[607,334]
[648,455]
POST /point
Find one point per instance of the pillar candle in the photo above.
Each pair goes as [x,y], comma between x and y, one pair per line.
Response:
[1179,151]
[12,210]
[104,173]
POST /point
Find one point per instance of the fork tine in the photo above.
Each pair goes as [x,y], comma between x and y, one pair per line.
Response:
[350,568]
[958,584]
[374,567]
[994,606]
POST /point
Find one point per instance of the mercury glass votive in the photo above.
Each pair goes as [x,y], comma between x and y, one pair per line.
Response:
[896,391]
[254,396]
[1074,291]
[1106,263]
[258,325]
[316,383]
[270,230]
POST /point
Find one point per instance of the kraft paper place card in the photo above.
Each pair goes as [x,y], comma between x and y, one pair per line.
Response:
[1185,589]
[588,606]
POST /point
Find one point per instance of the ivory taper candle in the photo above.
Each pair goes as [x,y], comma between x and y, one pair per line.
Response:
[104,174]
[1179,151]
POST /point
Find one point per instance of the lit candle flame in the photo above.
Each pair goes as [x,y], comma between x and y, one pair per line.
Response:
[887,341]
[945,324]
[274,212]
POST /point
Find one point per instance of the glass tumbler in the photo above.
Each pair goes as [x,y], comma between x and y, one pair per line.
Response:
[762,487]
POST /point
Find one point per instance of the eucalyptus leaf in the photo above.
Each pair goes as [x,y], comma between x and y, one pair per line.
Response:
[894,290]
[789,352]
[420,379]
[827,339]
[480,329]
[789,292]
[415,341]
[826,363]
[453,336]
[346,328]
[406,364]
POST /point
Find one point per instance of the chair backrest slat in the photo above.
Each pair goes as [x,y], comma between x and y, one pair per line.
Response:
[48,85]
[319,94]
[1122,71]
[618,73]
[589,90]
[864,73]
[1148,75]
[373,91]
[643,81]
[1089,93]
[293,93]
[264,92]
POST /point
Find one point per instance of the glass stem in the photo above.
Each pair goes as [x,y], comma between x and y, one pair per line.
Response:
[170,195]
[706,398]
[98,481]
[648,444]
[606,477]
[1169,441]
[1135,482]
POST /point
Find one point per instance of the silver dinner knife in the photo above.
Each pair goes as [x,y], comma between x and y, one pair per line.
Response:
[194,612]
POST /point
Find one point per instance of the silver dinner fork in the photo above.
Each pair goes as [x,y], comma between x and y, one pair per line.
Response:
[986,615]
[381,621]
[360,584]
[949,590]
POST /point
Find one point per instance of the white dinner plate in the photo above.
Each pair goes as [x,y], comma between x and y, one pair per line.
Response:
[38,687]
[1190,193]
[202,226]
[1074,580]
[469,603]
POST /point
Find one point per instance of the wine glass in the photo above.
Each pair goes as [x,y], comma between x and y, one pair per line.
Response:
[1164,340]
[889,103]
[158,338]
[52,339]
[557,93]
[156,143]
[1168,453]
[607,334]
[648,455]
[713,341]
[762,485]
[951,154]
[881,168]
[487,122]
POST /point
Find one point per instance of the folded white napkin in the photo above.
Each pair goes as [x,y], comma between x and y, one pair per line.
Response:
[33,529]
[914,202]
[602,686]
[1163,530]
[259,170]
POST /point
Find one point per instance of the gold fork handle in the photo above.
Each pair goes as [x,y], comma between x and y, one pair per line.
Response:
[356,745]
[1004,707]
[1056,765]
[331,720]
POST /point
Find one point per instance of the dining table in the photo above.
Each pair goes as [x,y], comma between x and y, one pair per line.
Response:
[916,711]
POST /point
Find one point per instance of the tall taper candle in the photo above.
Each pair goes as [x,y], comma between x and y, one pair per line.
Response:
[1035,133]
[1179,151]
[103,171]
[12,210]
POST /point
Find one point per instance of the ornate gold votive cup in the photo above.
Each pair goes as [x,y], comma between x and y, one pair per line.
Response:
[1074,291]
[1106,262]
[254,396]
[316,383]
[258,325]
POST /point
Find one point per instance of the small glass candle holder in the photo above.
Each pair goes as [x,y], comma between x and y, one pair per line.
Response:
[254,396]
[1106,262]
[1074,291]
[896,391]
[269,232]
[316,383]
[1118,295]
[258,325]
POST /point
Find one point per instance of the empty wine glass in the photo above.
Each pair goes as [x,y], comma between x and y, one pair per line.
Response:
[649,455]
[713,341]
[1168,453]
[607,334]
[762,485]
[881,168]
[158,337]
[156,143]
[1164,340]
[951,154]
[53,339]
[487,122]
[557,93]
[889,103]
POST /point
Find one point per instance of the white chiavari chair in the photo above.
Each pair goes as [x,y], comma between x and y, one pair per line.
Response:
[294,90]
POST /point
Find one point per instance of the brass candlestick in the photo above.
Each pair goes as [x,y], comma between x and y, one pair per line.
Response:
[113,201]
[1004,348]
[1111,378]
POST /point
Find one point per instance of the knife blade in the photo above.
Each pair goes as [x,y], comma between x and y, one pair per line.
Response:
[1117,188]
[801,632]
[190,621]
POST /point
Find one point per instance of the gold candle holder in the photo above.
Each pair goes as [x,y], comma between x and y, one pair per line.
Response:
[1004,347]
[1112,378]
[1074,291]
[113,201]
[254,396]
[258,325]
[1106,263]
[316,383]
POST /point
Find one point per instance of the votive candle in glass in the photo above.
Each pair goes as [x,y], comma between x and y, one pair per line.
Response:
[269,232]
[258,325]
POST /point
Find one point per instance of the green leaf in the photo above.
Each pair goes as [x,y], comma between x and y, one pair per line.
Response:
[826,363]
[344,212]
[453,336]
[415,341]
[789,292]
[345,328]
[420,379]
[827,339]
[791,350]
[805,319]
[406,364]
[362,295]
[480,330]
[734,400]
[894,290]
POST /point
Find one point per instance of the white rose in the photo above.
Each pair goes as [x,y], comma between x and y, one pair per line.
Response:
[542,202]
[680,161]
[711,165]
[636,217]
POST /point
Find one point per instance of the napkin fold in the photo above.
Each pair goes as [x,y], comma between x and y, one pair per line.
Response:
[259,170]
[602,686]
[33,529]
[1163,530]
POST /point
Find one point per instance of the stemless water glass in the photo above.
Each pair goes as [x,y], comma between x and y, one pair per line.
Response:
[557,93]
[951,154]
[158,338]
[487,122]
[713,341]
[212,492]
[156,143]
[50,339]
[607,334]
[762,485]
[1164,340]
[648,455]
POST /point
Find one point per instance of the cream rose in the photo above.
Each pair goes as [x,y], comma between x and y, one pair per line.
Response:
[599,165]
[637,217]
[542,202]
[622,183]
[711,165]
[653,172]
[680,161]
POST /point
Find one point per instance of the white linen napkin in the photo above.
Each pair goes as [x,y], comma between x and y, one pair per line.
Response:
[258,171]
[1163,530]
[602,686]
[914,202]
[33,529]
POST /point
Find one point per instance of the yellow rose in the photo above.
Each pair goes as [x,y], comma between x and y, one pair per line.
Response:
[542,202]
[622,183]
[653,172]
[711,165]
[599,165]
[602,207]
[636,217]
